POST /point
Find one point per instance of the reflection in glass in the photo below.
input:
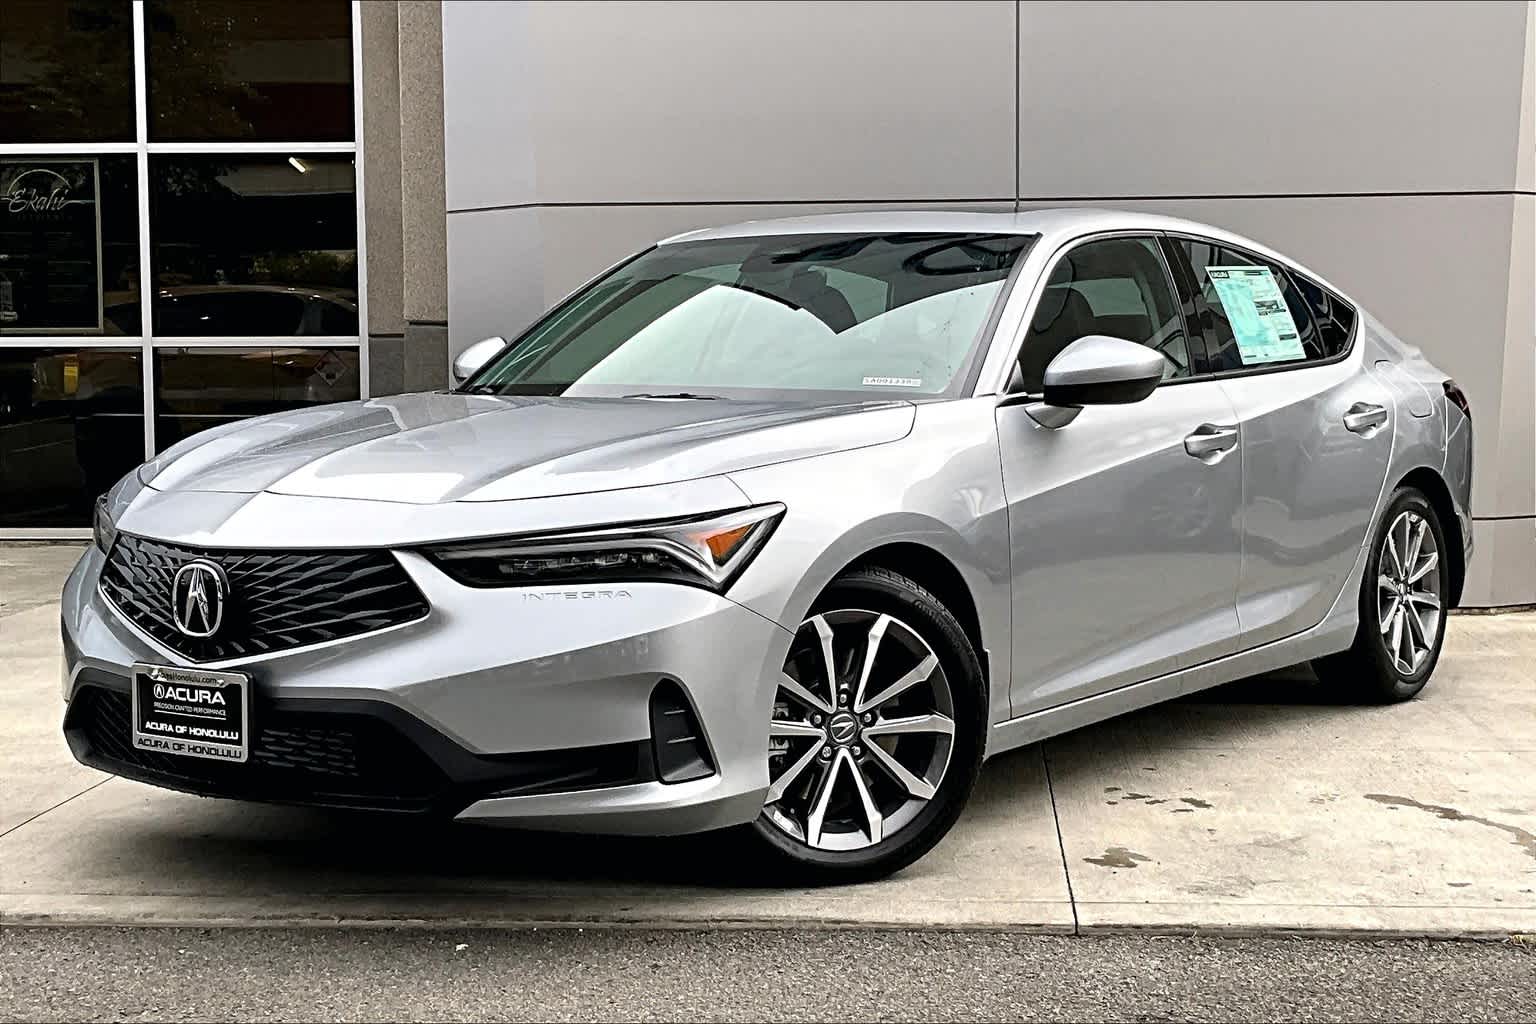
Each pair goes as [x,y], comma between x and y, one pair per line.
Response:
[895,314]
[1116,287]
[66,71]
[267,70]
[69,245]
[1221,340]
[254,245]
[71,424]
[200,388]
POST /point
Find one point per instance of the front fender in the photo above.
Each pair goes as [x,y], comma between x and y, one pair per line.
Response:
[941,487]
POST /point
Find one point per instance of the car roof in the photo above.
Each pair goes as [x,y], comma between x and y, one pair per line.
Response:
[1055,226]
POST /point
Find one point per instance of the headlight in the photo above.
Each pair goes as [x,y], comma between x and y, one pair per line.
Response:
[706,552]
[103,530]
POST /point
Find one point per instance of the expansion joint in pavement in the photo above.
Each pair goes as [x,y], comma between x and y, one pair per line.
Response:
[1061,845]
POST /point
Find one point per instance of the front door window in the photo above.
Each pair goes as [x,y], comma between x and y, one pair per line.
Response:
[1117,287]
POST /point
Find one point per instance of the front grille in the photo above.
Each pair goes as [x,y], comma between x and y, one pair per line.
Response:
[307,757]
[277,599]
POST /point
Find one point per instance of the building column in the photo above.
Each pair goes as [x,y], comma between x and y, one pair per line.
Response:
[404,196]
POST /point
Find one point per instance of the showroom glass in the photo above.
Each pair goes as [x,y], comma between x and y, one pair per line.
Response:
[254,245]
[1117,287]
[1212,320]
[896,314]
[275,70]
[71,424]
[259,301]
[66,71]
[69,245]
[200,388]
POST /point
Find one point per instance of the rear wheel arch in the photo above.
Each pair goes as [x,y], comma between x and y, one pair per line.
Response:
[1434,488]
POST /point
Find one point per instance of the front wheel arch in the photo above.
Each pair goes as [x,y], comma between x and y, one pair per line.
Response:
[931,570]
[900,601]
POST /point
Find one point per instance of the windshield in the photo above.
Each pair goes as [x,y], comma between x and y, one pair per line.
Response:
[890,314]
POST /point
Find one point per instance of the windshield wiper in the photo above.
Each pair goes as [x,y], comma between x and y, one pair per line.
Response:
[677,394]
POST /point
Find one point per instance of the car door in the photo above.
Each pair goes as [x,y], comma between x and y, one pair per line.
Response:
[1123,523]
[1317,431]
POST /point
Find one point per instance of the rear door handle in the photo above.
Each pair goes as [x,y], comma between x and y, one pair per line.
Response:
[1211,441]
[1364,417]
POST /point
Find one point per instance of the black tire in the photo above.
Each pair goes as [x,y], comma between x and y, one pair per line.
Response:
[1367,670]
[787,859]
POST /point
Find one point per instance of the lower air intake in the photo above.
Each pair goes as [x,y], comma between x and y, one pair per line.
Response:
[681,751]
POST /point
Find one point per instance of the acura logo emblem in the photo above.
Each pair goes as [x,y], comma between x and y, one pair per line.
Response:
[197,598]
[843,727]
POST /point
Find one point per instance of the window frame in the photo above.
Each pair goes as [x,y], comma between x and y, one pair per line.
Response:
[1191,281]
[143,148]
[1193,342]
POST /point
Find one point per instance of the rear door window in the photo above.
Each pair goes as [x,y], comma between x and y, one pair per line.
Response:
[1250,311]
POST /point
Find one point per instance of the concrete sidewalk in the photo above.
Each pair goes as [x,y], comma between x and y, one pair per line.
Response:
[1261,807]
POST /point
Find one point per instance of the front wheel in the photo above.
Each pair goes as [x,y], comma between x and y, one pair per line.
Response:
[1402,607]
[875,737]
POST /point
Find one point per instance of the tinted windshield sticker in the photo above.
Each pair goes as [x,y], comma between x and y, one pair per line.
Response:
[1261,322]
[893,382]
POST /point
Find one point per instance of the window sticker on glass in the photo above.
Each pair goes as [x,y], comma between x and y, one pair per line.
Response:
[893,382]
[1261,321]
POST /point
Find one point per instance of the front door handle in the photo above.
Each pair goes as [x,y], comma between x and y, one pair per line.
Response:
[1211,441]
[1364,417]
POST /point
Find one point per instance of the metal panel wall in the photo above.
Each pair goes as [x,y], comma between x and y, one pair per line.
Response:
[1390,146]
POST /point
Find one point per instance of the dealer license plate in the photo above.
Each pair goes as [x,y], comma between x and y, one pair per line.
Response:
[191,712]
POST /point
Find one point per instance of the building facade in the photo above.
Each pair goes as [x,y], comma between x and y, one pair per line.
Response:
[1389,146]
[332,197]
[221,145]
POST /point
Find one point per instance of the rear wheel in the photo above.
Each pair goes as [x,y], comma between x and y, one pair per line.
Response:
[875,739]
[1402,607]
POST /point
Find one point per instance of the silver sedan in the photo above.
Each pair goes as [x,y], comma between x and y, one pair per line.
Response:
[786,527]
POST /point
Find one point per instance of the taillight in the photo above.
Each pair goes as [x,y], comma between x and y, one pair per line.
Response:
[1458,398]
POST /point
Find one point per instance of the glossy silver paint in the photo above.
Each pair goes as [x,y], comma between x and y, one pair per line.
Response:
[1215,529]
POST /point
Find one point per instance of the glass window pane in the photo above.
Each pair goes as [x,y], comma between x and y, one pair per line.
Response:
[1221,340]
[1116,287]
[1334,317]
[200,388]
[69,245]
[254,245]
[66,71]
[71,424]
[267,70]
[844,312]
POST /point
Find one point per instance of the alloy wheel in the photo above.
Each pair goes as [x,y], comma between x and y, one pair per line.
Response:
[1408,591]
[862,731]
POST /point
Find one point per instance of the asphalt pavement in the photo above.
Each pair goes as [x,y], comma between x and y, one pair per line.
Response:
[632,974]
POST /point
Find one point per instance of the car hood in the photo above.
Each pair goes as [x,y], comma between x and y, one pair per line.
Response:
[430,448]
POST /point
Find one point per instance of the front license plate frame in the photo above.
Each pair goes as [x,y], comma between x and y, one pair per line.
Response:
[191,712]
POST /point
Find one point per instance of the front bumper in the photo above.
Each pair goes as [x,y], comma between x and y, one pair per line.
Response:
[528,706]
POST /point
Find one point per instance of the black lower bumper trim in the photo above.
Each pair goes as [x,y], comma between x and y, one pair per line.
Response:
[341,753]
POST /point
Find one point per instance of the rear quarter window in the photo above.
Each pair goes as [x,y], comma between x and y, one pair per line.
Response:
[1334,317]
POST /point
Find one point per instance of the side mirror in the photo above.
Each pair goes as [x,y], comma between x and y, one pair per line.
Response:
[1099,370]
[477,355]
[1093,370]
